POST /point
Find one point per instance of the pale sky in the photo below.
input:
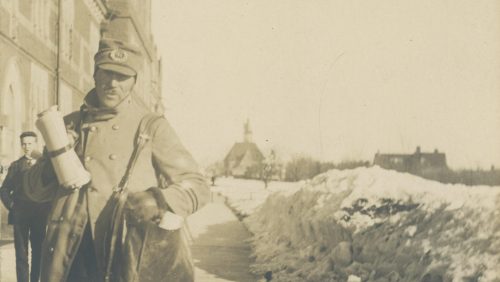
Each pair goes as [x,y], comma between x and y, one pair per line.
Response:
[335,80]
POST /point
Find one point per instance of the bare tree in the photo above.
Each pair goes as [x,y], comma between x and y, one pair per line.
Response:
[271,168]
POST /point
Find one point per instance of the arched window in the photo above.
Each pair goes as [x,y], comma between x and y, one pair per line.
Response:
[39,89]
[39,95]
[12,112]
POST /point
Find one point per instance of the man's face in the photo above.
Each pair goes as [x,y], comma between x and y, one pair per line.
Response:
[112,87]
[28,143]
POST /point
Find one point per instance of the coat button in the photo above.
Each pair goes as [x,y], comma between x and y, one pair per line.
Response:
[51,249]
[115,126]
[88,158]
[93,129]
[61,219]
[112,157]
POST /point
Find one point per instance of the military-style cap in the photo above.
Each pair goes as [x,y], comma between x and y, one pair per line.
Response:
[118,56]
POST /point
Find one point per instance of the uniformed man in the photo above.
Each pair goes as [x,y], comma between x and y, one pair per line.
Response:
[28,218]
[105,129]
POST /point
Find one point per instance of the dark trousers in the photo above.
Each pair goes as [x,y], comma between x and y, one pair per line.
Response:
[84,267]
[30,230]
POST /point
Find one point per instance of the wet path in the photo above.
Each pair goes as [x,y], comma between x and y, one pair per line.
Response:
[220,249]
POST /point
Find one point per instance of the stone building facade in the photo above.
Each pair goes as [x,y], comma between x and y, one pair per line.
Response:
[46,58]
[46,54]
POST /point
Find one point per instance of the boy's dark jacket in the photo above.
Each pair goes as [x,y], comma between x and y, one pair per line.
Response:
[14,200]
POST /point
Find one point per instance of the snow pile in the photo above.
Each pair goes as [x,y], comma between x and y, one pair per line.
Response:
[245,196]
[371,224]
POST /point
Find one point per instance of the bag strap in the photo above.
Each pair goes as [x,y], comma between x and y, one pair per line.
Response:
[143,135]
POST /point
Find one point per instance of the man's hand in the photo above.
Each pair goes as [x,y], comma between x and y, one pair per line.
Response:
[143,206]
[11,203]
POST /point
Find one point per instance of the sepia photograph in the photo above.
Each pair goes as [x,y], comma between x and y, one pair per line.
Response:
[249,141]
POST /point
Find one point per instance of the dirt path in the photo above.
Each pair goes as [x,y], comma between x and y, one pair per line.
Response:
[7,262]
[220,248]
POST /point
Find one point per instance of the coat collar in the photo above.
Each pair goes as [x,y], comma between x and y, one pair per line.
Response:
[95,113]
[34,155]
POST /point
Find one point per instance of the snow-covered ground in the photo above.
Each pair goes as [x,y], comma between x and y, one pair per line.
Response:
[245,196]
[370,224]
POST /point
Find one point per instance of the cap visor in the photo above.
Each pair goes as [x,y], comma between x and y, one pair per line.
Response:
[117,68]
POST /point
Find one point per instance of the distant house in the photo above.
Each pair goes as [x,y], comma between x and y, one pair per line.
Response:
[416,163]
[243,155]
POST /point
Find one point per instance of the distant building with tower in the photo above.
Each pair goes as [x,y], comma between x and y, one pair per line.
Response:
[415,163]
[243,155]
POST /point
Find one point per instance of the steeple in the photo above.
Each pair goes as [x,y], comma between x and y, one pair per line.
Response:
[247,135]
